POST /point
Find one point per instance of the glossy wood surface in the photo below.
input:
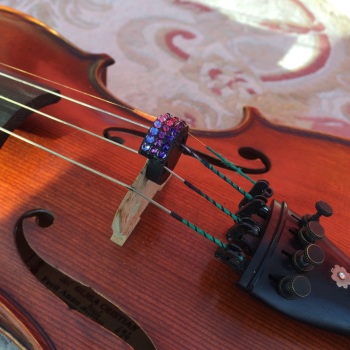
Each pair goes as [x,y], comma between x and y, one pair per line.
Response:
[165,276]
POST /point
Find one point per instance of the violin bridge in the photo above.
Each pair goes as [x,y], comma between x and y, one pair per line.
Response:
[131,208]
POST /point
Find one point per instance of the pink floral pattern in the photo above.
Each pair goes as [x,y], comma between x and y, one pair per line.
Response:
[205,60]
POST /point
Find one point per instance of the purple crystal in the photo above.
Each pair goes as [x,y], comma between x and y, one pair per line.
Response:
[170,138]
[153,131]
[154,150]
[158,143]
[166,147]
[149,138]
[162,155]
[179,125]
[169,122]
[145,147]
[165,128]
[161,135]
[157,124]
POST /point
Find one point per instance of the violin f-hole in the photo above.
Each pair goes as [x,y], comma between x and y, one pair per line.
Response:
[76,295]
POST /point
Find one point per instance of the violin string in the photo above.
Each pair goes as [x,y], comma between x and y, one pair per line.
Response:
[120,183]
[67,124]
[239,189]
[72,100]
[131,109]
[134,110]
[225,161]
[218,173]
[187,183]
[201,193]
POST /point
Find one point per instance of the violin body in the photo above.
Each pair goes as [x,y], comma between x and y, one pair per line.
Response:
[165,276]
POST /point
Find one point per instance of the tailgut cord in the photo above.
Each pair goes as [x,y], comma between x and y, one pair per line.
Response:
[120,183]
[187,183]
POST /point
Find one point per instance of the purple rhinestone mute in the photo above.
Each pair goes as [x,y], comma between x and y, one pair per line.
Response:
[158,142]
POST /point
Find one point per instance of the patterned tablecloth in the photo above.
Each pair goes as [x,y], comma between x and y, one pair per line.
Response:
[203,61]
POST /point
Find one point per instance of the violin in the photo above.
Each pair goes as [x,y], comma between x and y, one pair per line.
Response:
[166,286]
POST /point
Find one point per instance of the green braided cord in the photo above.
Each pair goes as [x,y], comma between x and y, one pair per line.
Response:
[222,176]
[217,172]
[204,234]
[199,230]
[222,208]
[231,165]
[218,205]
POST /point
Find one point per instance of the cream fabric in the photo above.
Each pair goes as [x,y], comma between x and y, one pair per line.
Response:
[203,61]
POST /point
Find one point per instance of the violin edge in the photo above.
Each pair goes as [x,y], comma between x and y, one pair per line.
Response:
[26,329]
[253,115]
[47,29]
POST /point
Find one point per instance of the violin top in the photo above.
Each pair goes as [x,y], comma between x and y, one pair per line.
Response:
[165,277]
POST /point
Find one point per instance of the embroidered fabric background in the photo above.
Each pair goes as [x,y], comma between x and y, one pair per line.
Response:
[203,61]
